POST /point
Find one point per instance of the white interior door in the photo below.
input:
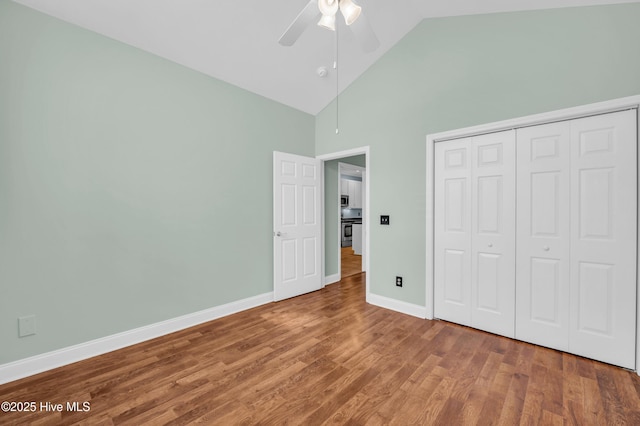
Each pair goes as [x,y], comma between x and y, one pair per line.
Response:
[543,243]
[603,237]
[297,225]
[452,231]
[493,233]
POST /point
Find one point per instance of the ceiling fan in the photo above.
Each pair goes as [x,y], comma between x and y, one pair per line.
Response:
[327,11]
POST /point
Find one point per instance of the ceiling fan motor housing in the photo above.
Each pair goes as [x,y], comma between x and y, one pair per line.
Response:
[328,7]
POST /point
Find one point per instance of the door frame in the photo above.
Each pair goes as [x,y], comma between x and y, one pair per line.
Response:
[614,105]
[367,207]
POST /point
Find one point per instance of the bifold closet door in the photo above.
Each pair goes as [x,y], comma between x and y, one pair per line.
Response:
[543,234]
[452,233]
[576,236]
[475,232]
[493,224]
[563,275]
[603,237]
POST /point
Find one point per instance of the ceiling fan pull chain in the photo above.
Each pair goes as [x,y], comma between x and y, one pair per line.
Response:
[335,66]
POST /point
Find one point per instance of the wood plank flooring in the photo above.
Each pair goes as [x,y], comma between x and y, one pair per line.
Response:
[350,263]
[329,358]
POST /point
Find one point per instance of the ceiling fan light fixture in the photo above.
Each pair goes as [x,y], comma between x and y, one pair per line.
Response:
[328,7]
[350,11]
[328,22]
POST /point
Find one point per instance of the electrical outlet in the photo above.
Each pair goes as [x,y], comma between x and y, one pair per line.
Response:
[399,281]
[26,326]
[384,220]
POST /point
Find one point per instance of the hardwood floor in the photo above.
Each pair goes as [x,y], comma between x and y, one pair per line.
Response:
[351,264]
[328,357]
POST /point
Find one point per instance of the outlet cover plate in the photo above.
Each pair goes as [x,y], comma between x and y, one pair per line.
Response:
[384,220]
[26,326]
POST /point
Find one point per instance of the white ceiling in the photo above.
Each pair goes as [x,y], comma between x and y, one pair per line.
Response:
[237,40]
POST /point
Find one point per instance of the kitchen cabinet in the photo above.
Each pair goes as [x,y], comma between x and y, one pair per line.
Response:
[353,189]
[344,187]
[356,238]
[357,194]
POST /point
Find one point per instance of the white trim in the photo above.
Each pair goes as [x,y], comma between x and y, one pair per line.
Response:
[322,242]
[367,211]
[531,120]
[331,279]
[342,154]
[429,212]
[339,220]
[54,359]
[397,305]
[638,250]
[365,250]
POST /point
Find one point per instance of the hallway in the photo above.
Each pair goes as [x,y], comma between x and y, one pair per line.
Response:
[351,263]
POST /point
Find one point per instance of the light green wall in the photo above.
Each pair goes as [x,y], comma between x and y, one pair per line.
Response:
[331,240]
[331,208]
[132,190]
[456,72]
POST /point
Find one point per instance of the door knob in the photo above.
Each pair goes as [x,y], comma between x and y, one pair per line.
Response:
[545,248]
[490,244]
[278,234]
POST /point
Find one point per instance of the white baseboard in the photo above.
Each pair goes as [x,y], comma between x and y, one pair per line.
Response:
[330,279]
[54,359]
[397,305]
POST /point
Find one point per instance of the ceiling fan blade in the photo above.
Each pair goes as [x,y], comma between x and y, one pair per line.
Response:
[363,31]
[308,15]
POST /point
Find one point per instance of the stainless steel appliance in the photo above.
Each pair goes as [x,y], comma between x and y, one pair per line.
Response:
[347,231]
[344,201]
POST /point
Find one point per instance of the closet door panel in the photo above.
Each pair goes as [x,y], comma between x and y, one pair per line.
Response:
[603,238]
[543,235]
[452,233]
[493,233]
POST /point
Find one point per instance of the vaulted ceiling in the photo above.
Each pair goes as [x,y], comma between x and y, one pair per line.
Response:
[237,40]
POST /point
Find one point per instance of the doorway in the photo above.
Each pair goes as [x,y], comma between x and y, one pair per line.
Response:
[351,174]
[332,261]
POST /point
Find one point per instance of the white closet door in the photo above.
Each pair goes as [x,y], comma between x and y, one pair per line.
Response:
[603,238]
[493,233]
[475,232]
[543,230]
[452,233]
